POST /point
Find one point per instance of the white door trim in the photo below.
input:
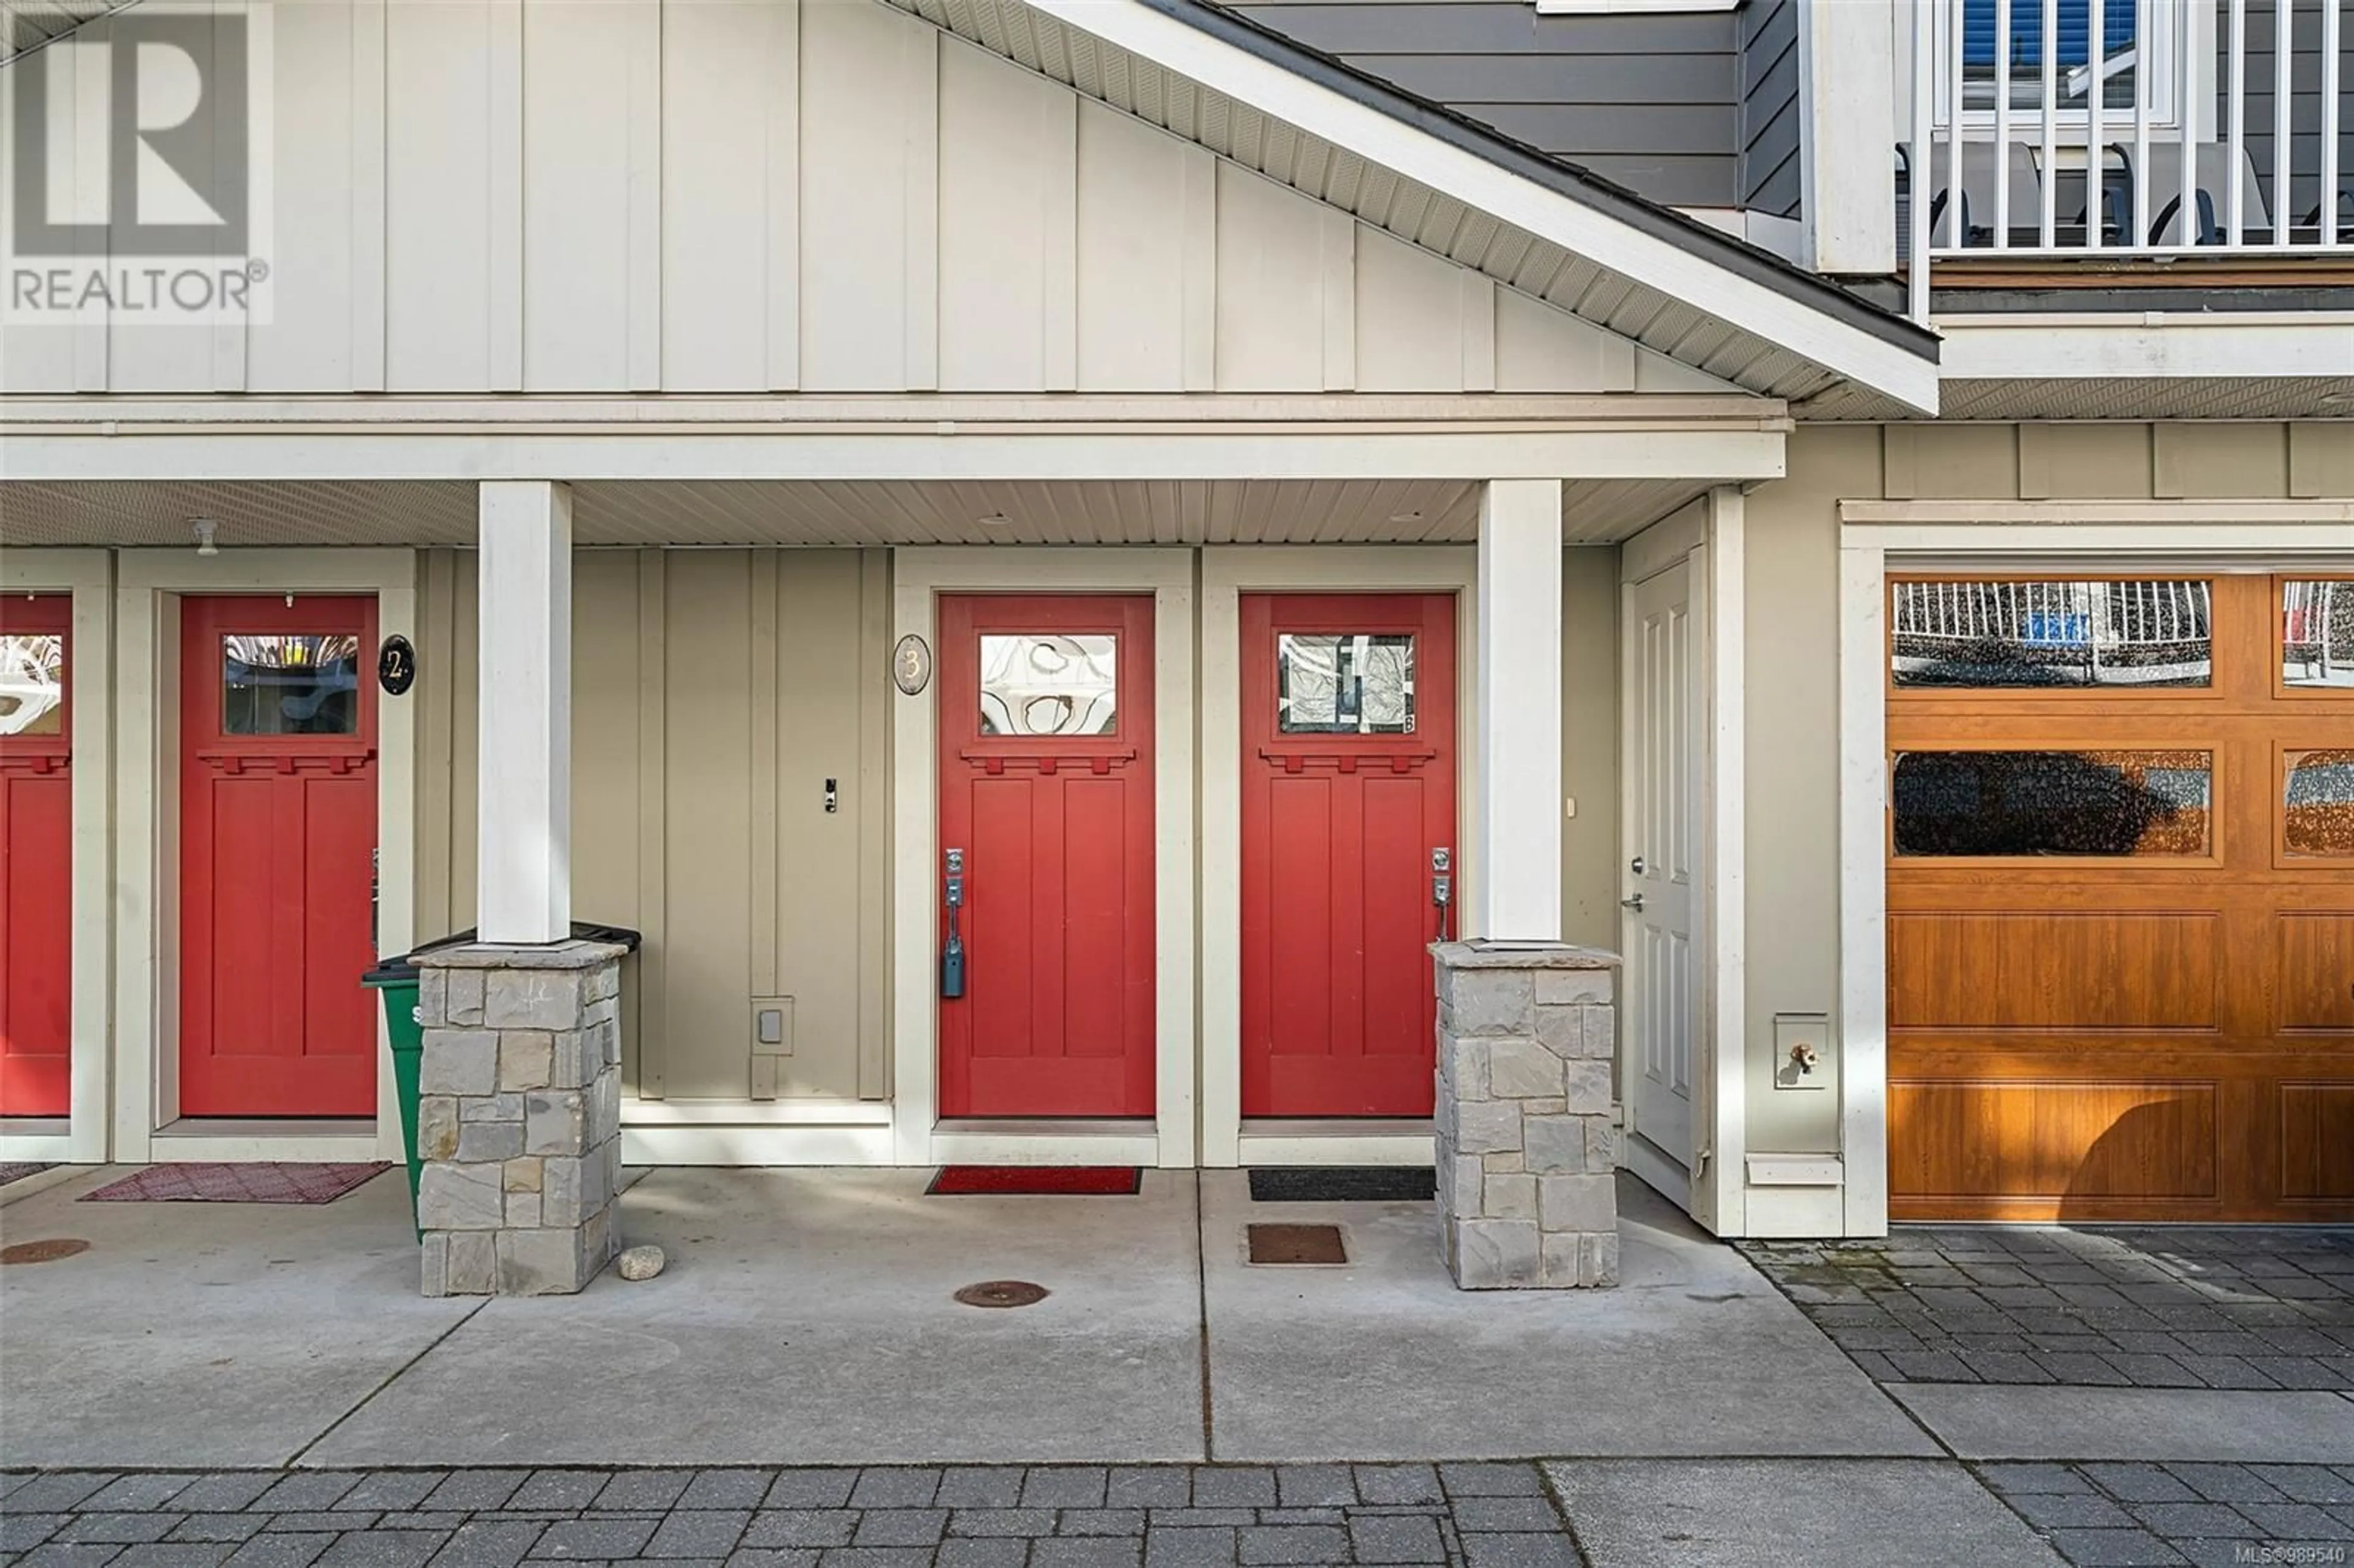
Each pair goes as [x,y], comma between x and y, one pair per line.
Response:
[1711,536]
[1719,1190]
[1862,1021]
[919,575]
[87,575]
[146,882]
[1873,536]
[1229,571]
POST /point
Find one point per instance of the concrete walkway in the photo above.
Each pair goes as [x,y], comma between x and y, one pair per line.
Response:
[807,1318]
[1694,1415]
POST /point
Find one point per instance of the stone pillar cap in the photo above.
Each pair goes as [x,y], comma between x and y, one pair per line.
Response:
[568,955]
[1484,953]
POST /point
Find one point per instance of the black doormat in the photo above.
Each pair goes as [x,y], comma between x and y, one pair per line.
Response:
[1343,1185]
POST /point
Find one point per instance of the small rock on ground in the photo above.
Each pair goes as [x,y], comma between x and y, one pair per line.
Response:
[641,1262]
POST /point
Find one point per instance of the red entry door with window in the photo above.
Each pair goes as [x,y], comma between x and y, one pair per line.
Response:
[1347,787]
[277,845]
[1045,759]
[36,855]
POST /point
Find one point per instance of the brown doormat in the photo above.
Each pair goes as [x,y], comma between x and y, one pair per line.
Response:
[17,1169]
[1296,1244]
[256,1182]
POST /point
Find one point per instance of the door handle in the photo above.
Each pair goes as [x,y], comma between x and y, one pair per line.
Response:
[1442,886]
[953,959]
[1634,903]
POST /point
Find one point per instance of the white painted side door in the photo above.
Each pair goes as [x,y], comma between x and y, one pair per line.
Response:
[1662,842]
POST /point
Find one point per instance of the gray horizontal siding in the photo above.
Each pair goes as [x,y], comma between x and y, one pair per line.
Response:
[1768,37]
[2305,102]
[1649,101]
[1565,78]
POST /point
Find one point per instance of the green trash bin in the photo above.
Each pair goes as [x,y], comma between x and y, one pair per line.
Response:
[396,980]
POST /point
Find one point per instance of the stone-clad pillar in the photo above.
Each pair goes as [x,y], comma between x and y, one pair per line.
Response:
[1528,1139]
[519,1115]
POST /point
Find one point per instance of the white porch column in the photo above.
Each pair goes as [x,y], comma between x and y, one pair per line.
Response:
[524,856]
[1518,890]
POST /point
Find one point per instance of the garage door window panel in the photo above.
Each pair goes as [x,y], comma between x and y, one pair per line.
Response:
[2318,803]
[2050,636]
[2316,627]
[2033,804]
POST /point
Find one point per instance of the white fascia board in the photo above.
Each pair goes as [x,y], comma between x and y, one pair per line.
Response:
[1196,413]
[1633,7]
[2144,344]
[360,454]
[1578,228]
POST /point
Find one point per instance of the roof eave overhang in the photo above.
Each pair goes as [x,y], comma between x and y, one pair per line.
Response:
[1610,257]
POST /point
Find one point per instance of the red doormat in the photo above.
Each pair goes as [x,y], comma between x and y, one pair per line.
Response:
[1085,1181]
[261,1181]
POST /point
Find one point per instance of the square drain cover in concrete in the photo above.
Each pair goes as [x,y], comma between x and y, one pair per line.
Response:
[1296,1244]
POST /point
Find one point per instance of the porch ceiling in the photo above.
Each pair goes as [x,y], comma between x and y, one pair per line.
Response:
[2110,397]
[128,514]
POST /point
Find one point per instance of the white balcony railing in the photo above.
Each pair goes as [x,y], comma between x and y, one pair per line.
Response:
[2057,128]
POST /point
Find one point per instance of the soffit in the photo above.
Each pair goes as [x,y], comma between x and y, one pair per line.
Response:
[813,513]
[1414,211]
[29,24]
[2104,397]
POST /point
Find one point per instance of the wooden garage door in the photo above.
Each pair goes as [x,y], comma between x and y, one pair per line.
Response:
[2121,897]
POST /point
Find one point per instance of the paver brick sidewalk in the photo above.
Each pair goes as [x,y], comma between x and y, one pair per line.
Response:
[1398,1515]
[1174,1516]
[2243,1308]
[2099,1514]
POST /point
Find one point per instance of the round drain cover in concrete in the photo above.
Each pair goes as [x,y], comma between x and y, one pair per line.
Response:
[1002,1293]
[48,1250]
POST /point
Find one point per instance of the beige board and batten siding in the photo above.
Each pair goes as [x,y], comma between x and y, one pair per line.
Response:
[715,693]
[817,196]
[1590,850]
[704,727]
[1793,608]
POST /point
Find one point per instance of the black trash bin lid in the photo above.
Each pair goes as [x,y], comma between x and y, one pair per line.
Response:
[391,972]
[403,969]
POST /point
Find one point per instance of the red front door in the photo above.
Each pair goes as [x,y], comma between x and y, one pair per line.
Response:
[1347,787]
[1045,757]
[277,840]
[36,855]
